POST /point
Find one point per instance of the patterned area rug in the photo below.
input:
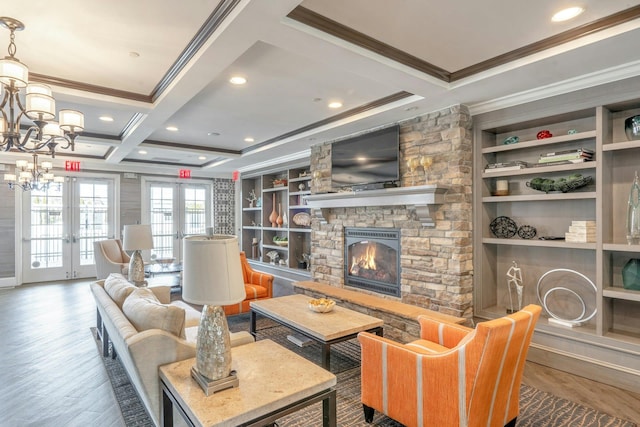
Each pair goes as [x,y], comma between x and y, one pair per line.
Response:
[537,408]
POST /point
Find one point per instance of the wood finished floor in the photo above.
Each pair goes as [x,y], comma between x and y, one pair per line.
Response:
[51,374]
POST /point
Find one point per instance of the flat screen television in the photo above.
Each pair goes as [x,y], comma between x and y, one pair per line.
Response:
[367,161]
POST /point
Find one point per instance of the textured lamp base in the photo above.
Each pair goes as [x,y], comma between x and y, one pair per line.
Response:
[211,386]
[136,269]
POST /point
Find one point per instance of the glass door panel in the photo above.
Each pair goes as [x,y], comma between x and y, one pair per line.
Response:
[63,222]
[176,210]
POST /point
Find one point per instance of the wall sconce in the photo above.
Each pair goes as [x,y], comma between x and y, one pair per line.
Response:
[316,177]
[414,162]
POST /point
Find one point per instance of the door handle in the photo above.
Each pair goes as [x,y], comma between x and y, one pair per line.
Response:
[75,240]
[66,238]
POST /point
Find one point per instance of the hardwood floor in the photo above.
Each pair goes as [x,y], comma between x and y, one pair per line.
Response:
[51,373]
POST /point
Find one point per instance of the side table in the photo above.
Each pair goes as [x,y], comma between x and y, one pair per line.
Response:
[274,382]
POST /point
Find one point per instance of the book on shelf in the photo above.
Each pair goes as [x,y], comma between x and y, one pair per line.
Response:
[570,157]
[559,162]
[572,151]
[579,238]
[577,229]
[502,167]
[584,223]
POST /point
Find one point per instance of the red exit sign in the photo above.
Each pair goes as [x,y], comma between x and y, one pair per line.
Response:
[185,173]
[70,165]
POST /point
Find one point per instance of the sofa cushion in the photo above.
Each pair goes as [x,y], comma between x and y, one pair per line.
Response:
[255,291]
[144,311]
[118,288]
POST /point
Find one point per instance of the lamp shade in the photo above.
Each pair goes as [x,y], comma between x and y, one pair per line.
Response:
[137,237]
[211,270]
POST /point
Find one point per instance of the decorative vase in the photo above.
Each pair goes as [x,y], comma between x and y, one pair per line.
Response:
[632,128]
[633,213]
[631,275]
[285,220]
[274,214]
[279,219]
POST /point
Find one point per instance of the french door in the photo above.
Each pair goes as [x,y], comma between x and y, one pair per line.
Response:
[60,224]
[175,210]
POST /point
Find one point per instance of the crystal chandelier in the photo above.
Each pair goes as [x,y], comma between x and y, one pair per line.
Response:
[32,176]
[39,106]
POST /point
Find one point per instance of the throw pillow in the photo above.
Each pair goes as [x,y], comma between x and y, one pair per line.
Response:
[118,288]
[144,311]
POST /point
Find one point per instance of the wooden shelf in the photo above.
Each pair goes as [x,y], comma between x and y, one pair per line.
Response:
[621,293]
[540,142]
[561,244]
[541,197]
[543,169]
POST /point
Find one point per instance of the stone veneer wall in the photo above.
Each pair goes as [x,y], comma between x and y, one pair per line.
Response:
[436,263]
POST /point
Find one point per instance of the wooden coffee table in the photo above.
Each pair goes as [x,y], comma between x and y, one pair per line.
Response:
[274,382]
[338,325]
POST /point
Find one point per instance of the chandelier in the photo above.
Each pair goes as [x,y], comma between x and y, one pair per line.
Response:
[32,176]
[39,106]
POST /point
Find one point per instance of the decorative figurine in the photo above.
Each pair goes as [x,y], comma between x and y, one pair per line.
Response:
[514,281]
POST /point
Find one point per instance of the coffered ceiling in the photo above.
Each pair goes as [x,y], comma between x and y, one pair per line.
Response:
[151,64]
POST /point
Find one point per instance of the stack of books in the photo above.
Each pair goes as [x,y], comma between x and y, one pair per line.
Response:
[581,232]
[567,156]
[503,167]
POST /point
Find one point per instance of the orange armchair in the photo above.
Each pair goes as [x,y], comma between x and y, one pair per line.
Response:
[257,286]
[452,376]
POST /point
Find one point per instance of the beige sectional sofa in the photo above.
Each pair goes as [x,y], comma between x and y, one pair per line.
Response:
[147,330]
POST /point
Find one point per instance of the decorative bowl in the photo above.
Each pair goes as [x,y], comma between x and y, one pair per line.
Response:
[544,134]
[281,242]
[632,128]
[321,305]
[511,140]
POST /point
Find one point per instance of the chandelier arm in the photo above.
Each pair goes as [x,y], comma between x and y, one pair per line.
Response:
[5,98]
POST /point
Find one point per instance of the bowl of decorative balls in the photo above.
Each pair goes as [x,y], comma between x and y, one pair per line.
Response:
[321,305]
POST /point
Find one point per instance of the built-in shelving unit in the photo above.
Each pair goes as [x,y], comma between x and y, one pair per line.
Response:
[612,337]
[282,192]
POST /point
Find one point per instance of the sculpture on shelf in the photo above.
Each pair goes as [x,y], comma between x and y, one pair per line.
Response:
[274,214]
[514,282]
[252,198]
[633,213]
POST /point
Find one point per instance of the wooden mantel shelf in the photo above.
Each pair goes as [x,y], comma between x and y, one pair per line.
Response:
[423,198]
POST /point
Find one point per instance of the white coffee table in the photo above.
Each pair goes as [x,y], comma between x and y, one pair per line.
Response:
[274,382]
[338,325]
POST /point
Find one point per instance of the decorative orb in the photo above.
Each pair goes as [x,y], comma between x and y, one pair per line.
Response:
[544,134]
[631,275]
[632,127]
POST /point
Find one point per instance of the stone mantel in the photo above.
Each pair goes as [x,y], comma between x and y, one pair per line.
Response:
[423,198]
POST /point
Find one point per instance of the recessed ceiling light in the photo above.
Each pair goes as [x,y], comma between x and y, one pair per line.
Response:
[106,118]
[566,14]
[202,158]
[237,80]
[142,152]
[335,104]
[134,54]
[172,128]
[213,134]
[249,139]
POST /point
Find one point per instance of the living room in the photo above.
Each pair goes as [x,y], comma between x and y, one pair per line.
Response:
[451,261]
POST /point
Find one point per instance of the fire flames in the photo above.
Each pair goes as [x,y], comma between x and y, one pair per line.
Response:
[367,260]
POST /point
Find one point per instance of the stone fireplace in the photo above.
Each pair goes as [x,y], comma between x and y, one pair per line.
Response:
[372,258]
[435,255]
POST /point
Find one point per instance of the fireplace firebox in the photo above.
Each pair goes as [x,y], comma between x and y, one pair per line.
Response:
[372,259]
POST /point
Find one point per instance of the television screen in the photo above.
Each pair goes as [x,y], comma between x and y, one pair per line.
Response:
[371,158]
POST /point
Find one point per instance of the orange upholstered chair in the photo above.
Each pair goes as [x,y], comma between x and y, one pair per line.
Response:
[452,376]
[257,286]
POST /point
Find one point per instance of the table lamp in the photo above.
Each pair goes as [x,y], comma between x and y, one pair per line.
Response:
[137,237]
[212,276]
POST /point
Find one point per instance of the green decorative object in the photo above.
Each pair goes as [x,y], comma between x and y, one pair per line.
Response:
[631,275]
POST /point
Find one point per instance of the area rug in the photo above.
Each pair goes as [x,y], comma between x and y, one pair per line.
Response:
[537,408]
